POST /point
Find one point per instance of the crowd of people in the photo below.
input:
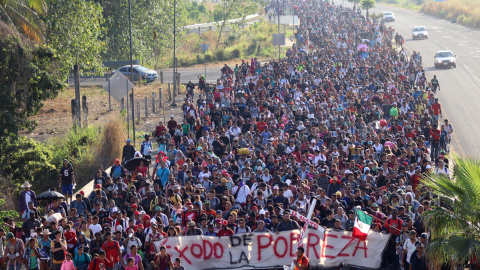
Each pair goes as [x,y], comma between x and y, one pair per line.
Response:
[351,128]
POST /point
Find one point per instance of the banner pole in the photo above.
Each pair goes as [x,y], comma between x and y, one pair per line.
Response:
[302,235]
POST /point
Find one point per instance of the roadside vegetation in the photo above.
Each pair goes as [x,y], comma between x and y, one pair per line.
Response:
[239,42]
[466,12]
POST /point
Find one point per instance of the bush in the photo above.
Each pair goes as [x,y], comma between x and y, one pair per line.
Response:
[236,53]
[24,159]
[209,57]
[221,55]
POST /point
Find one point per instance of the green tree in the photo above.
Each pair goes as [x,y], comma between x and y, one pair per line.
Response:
[368,4]
[74,30]
[23,16]
[230,9]
[147,16]
[454,220]
[29,77]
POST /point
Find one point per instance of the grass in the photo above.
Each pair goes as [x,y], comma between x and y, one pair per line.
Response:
[87,148]
[252,41]
[466,12]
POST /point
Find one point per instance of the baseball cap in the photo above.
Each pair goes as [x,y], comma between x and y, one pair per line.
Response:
[136,213]
[128,140]
[134,206]
[98,186]
[9,235]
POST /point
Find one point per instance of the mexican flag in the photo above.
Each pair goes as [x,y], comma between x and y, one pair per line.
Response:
[362,224]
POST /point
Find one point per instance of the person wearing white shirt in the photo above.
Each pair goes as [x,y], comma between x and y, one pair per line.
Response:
[234,130]
[204,173]
[286,190]
[240,192]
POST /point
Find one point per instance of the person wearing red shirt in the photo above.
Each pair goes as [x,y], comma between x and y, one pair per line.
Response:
[188,215]
[415,179]
[437,110]
[394,224]
[224,231]
[112,251]
[261,125]
[99,263]
[435,141]
[70,237]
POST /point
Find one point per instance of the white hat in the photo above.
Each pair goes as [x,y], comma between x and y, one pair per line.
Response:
[142,212]
[26,184]
[172,116]
[288,181]
[261,212]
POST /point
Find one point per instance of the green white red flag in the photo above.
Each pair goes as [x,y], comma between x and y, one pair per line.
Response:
[362,224]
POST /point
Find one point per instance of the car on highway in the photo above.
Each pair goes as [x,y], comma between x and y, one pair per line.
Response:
[388,16]
[419,32]
[445,59]
[139,73]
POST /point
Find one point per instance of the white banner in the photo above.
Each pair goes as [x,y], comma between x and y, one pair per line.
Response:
[264,250]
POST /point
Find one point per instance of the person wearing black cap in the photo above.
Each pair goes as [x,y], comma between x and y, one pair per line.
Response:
[81,258]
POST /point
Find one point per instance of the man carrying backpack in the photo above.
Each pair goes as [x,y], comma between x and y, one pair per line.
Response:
[80,205]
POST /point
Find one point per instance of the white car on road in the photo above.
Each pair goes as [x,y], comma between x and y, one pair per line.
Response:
[388,16]
[445,59]
[419,32]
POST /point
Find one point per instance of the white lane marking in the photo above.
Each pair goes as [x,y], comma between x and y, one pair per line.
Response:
[447,49]
[466,67]
[476,78]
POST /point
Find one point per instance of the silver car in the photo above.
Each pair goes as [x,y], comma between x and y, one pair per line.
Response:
[419,32]
[445,59]
[139,73]
[388,16]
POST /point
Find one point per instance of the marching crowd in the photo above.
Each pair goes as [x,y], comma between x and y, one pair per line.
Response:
[351,128]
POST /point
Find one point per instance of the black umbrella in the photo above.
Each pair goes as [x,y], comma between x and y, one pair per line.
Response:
[50,195]
[132,164]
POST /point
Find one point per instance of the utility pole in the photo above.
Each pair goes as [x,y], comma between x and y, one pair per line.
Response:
[278,14]
[174,104]
[131,66]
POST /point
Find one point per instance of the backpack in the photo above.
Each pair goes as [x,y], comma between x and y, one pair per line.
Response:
[80,206]
[94,263]
[246,227]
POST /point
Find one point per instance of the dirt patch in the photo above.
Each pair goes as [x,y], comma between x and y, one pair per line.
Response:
[55,118]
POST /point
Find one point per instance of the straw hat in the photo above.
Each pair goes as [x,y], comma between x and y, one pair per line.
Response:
[26,185]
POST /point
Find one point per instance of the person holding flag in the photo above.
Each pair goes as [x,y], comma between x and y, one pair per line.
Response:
[362,224]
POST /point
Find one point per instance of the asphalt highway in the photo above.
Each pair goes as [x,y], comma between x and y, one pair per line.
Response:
[459,87]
